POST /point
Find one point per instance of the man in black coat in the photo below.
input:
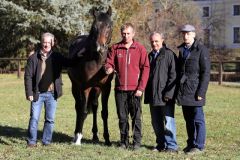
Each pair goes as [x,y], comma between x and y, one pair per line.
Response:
[159,93]
[194,75]
[43,85]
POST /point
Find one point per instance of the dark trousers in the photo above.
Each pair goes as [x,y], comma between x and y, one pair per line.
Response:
[195,125]
[127,103]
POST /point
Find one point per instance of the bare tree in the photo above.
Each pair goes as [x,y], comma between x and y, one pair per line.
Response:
[166,16]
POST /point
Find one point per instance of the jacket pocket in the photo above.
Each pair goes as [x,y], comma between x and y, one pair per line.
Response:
[190,87]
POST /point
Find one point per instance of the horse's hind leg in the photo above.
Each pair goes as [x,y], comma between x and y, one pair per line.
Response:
[105,95]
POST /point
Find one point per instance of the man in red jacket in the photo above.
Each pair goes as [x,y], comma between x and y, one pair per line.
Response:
[129,60]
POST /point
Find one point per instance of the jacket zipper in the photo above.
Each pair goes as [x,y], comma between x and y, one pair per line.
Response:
[126,69]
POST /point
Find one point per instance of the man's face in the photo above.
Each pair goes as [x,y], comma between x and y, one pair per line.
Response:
[47,43]
[156,42]
[127,35]
[188,37]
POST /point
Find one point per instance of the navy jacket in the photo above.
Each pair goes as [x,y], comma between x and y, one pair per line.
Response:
[194,75]
[162,78]
[33,71]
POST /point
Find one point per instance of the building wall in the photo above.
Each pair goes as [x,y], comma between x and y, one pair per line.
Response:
[221,22]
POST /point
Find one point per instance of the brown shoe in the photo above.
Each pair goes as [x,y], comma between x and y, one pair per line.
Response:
[31,145]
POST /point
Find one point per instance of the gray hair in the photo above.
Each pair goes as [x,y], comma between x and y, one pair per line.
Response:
[157,33]
[47,34]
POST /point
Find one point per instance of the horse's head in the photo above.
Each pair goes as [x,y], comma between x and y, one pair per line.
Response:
[101,30]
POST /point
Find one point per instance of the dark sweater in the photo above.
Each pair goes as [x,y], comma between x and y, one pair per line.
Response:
[47,77]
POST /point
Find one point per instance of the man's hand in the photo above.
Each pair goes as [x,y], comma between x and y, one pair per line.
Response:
[199,98]
[30,98]
[166,99]
[109,70]
[138,93]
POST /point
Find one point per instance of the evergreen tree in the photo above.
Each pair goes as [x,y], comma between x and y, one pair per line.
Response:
[22,22]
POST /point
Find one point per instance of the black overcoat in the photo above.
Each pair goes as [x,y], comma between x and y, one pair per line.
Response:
[162,78]
[194,75]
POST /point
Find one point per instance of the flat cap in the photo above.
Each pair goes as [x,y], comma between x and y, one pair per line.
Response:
[187,28]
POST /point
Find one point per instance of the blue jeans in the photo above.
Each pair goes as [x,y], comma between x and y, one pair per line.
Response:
[195,125]
[50,104]
[163,123]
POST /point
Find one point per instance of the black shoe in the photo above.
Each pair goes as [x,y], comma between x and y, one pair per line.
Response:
[158,149]
[46,144]
[187,149]
[170,150]
[122,146]
[136,147]
[155,149]
[194,151]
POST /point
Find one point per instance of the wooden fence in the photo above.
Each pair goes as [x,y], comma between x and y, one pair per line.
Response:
[225,70]
[219,71]
[19,66]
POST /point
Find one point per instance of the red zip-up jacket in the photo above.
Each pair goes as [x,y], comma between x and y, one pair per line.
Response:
[131,66]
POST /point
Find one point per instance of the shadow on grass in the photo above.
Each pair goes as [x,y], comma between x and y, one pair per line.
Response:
[7,133]
[21,134]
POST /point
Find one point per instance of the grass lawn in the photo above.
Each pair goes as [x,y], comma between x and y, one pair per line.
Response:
[222,117]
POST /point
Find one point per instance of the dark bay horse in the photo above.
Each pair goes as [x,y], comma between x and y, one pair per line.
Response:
[88,77]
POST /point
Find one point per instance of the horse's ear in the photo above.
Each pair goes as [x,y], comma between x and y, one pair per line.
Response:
[109,12]
[94,12]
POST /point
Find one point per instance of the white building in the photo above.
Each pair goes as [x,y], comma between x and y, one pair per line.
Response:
[221,22]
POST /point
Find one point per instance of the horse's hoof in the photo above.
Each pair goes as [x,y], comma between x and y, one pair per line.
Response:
[95,139]
[77,139]
[108,143]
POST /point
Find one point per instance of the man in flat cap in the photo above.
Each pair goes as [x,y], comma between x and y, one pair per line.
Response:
[194,75]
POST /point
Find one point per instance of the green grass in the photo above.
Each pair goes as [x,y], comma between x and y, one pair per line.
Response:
[222,118]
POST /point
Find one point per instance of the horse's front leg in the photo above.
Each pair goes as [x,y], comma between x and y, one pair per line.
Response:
[81,111]
[105,95]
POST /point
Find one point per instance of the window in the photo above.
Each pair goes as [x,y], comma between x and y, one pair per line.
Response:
[206,37]
[205,11]
[236,35]
[236,10]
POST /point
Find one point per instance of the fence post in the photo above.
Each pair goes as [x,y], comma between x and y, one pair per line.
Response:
[220,74]
[19,69]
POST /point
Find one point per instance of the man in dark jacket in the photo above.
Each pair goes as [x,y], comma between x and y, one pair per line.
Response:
[129,59]
[194,72]
[159,93]
[43,85]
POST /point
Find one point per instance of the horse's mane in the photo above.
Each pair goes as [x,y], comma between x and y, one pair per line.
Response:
[78,45]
